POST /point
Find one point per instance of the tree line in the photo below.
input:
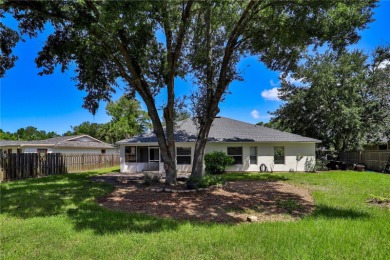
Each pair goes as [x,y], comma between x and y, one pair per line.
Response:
[127,120]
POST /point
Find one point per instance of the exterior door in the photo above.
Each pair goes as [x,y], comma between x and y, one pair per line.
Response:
[154,154]
[154,158]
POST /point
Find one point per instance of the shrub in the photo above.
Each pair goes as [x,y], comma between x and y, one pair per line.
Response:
[151,178]
[217,162]
[206,181]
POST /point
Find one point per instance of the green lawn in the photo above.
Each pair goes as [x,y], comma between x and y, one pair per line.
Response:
[57,217]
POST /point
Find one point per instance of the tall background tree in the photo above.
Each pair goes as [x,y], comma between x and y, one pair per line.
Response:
[341,99]
[111,40]
[127,120]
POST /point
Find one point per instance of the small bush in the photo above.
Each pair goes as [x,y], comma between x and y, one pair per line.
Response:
[151,178]
[217,162]
[206,181]
[310,165]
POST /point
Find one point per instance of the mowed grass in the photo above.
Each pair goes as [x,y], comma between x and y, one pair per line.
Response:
[58,217]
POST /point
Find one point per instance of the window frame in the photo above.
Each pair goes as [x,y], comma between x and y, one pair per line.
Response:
[181,156]
[255,155]
[277,158]
[234,156]
[135,154]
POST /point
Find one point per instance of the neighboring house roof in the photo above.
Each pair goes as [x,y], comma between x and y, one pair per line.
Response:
[79,141]
[225,130]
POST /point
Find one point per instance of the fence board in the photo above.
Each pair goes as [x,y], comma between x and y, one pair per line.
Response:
[28,165]
[374,160]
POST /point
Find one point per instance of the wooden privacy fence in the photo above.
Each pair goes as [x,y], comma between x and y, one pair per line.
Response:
[27,165]
[374,160]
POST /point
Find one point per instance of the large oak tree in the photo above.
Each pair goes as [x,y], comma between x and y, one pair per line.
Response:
[108,40]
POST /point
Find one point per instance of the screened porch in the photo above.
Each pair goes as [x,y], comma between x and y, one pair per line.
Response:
[145,158]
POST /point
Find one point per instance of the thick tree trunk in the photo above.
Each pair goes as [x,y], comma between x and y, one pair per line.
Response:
[200,145]
[197,162]
[164,144]
[170,171]
[170,164]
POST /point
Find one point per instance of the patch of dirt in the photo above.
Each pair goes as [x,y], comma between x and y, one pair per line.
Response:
[380,204]
[234,203]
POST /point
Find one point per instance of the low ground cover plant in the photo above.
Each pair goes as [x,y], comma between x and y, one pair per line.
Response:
[206,181]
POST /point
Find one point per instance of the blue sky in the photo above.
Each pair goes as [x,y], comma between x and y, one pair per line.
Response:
[53,102]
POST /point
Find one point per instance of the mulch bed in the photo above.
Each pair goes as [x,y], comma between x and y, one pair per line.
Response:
[234,203]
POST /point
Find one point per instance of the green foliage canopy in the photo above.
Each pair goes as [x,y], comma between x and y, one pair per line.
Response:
[112,40]
[342,100]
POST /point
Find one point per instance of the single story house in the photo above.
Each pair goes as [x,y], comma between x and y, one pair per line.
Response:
[251,146]
[63,144]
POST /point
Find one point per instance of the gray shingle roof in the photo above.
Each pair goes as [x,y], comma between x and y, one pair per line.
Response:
[61,141]
[226,130]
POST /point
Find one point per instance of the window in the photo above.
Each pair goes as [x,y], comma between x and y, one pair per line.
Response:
[183,155]
[9,151]
[279,155]
[103,151]
[131,154]
[253,155]
[236,153]
[42,151]
[18,151]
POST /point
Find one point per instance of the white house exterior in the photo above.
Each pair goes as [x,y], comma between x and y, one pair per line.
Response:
[63,144]
[250,145]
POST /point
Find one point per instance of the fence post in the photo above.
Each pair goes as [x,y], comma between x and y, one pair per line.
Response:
[1,167]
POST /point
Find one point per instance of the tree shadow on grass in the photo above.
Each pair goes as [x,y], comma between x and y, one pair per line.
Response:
[48,196]
[325,211]
[104,221]
[73,195]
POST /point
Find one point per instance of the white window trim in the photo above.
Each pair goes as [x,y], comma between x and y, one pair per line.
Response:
[236,155]
[253,155]
[284,155]
[188,155]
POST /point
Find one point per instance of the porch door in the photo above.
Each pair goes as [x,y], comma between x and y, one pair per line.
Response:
[154,162]
[154,154]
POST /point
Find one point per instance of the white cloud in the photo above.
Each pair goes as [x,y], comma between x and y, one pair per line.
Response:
[384,64]
[271,94]
[294,81]
[273,84]
[255,114]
